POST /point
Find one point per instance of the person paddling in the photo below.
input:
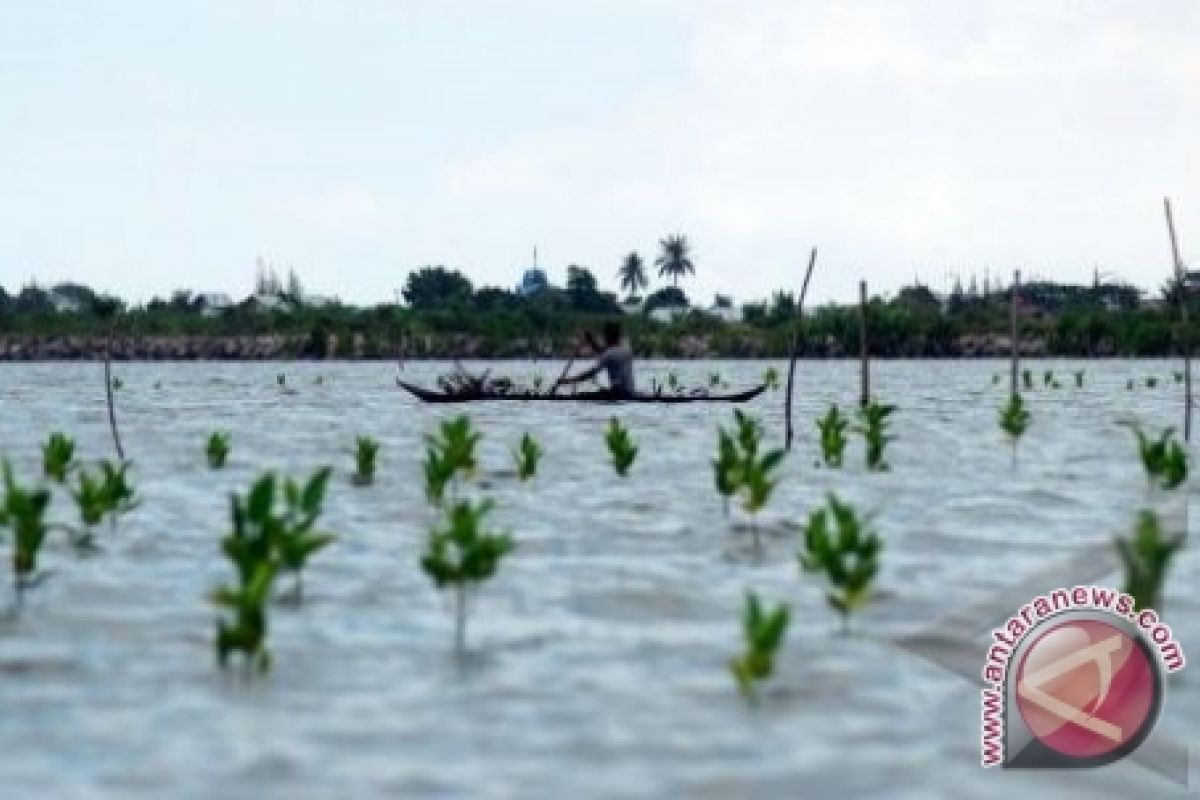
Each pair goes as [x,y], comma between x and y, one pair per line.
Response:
[614,357]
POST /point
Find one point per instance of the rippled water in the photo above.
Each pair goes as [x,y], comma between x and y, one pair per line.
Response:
[598,654]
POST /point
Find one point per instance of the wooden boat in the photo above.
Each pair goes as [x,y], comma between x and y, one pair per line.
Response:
[476,395]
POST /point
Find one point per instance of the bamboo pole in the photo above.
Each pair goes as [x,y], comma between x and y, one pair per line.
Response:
[796,339]
[1013,333]
[108,388]
[865,350]
[1183,320]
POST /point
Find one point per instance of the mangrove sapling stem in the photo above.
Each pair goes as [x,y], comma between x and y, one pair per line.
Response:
[1177,265]
[460,618]
[796,340]
[865,354]
[108,389]
[1012,328]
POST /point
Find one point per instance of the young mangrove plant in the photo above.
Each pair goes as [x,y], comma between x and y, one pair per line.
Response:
[620,446]
[1151,382]
[462,554]
[763,632]
[1048,377]
[1178,377]
[1027,379]
[839,544]
[714,380]
[526,457]
[23,513]
[293,534]
[449,455]
[92,500]
[217,449]
[754,471]
[538,380]
[365,451]
[1014,421]
[771,378]
[117,383]
[120,498]
[726,468]
[1129,385]
[673,381]
[873,425]
[1146,557]
[58,457]
[832,428]
[1079,375]
[1164,459]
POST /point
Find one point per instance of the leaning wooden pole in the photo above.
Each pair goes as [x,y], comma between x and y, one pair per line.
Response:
[1013,333]
[108,388]
[864,346]
[796,339]
[1177,267]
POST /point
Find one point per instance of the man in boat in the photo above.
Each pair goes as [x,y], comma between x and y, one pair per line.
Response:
[614,356]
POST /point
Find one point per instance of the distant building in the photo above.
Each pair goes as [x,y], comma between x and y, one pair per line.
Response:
[669,313]
[213,303]
[533,281]
[1191,281]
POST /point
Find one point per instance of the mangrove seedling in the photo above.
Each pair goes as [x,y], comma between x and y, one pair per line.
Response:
[873,425]
[119,496]
[673,381]
[365,451]
[1014,421]
[620,446]
[840,545]
[58,457]
[1027,379]
[1151,382]
[755,472]
[1079,374]
[1179,377]
[1048,377]
[995,379]
[763,632]
[217,449]
[726,468]
[526,457]
[537,382]
[463,554]
[714,380]
[448,455]
[92,500]
[281,379]
[1164,459]
[117,383]
[1146,557]
[1129,385]
[294,537]
[24,513]
[833,428]
[771,378]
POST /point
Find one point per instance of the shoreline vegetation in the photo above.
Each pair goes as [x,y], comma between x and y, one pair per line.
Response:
[444,317]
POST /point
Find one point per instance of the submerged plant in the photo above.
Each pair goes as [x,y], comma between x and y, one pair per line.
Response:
[217,449]
[1164,459]
[365,451]
[526,457]
[763,632]
[1014,421]
[873,425]
[840,545]
[449,454]
[620,446]
[23,513]
[58,457]
[833,427]
[1146,557]
[462,554]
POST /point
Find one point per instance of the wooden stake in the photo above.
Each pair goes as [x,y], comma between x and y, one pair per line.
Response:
[865,352]
[796,339]
[1012,327]
[1183,320]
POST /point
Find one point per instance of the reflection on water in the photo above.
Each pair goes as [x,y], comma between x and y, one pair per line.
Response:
[600,650]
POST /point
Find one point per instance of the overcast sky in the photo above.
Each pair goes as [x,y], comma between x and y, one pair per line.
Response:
[151,145]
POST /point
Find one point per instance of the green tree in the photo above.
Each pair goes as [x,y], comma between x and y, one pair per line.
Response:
[632,274]
[436,287]
[674,260]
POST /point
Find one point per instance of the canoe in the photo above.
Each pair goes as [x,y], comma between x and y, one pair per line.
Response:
[477,396]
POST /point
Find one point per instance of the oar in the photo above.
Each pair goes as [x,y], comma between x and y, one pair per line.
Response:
[566,371]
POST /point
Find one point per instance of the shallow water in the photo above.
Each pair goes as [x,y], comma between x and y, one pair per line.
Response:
[598,654]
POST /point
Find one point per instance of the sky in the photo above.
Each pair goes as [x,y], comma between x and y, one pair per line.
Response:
[147,146]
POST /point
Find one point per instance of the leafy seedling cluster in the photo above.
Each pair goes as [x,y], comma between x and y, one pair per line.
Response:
[873,424]
[526,457]
[832,429]
[620,446]
[216,450]
[265,541]
[449,456]
[742,468]
[366,450]
[1164,459]
[763,632]
[1145,558]
[24,514]
[839,544]
[462,553]
[1014,421]
[58,457]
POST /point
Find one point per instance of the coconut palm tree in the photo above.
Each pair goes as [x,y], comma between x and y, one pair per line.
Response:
[632,274]
[673,260]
